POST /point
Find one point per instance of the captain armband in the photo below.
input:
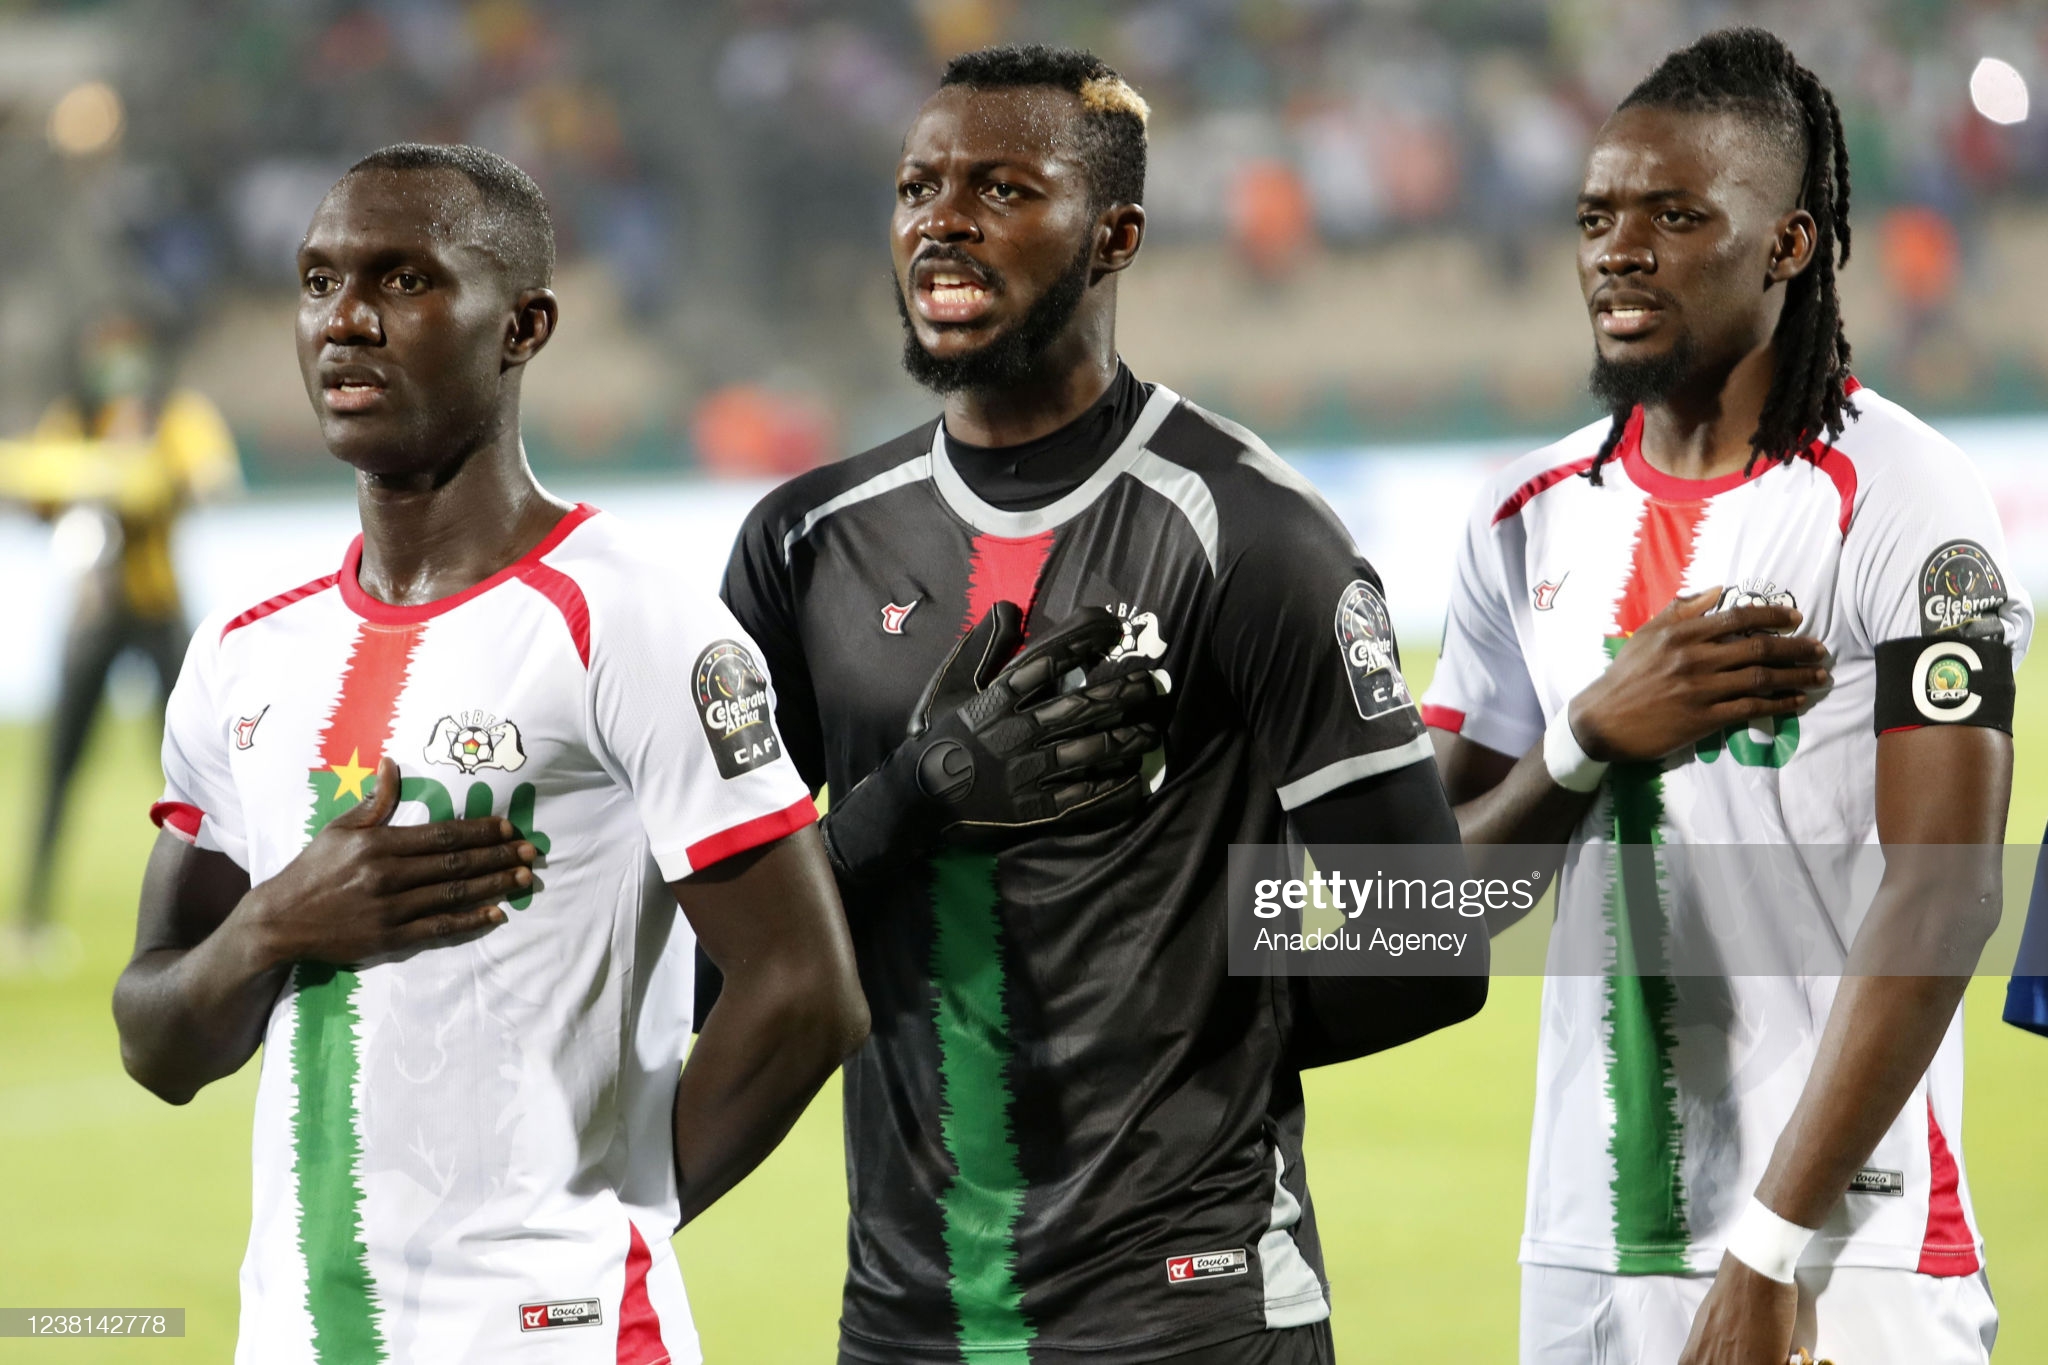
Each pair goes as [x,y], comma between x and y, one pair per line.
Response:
[1944,680]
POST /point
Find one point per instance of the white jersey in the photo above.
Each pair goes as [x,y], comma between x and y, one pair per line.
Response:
[1659,1099]
[467,1154]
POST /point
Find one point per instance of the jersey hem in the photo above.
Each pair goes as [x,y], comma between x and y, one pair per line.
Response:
[1705,1257]
[1234,1325]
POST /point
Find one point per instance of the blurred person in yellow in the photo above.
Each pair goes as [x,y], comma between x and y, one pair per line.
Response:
[113,462]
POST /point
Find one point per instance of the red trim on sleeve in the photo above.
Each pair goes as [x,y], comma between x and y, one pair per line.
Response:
[1443,718]
[1519,499]
[384,613]
[561,590]
[639,1325]
[179,818]
[1900,730]
[1948,1248]
[282,600]
[1842,470]
[753,833]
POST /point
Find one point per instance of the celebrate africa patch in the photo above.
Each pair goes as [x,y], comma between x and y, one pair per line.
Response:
[731,694]
[1365,634]
[1959,584]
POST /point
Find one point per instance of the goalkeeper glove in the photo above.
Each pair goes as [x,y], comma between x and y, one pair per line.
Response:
[998,752]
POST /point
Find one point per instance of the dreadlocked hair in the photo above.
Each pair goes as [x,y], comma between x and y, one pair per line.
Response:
[1752,73]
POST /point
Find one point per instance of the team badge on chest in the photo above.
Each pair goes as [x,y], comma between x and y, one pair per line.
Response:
[476,740]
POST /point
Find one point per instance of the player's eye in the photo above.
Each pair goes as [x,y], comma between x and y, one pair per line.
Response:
[409,282]
[913,191]
[320,283]
[1676,218]
[1003,190]
[1592,222]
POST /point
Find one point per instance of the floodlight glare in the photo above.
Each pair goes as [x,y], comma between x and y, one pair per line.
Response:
[1999,91]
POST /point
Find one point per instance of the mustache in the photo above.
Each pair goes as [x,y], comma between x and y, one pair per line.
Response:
[953,255]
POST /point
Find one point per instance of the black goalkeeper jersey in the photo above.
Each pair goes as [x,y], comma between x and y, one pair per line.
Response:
[1072,1135]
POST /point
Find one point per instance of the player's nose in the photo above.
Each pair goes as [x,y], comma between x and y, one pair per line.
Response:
[351,321]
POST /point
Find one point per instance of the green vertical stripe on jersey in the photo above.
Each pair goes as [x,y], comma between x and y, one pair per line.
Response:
[325,1146]
[1650,1229]
[981,1207]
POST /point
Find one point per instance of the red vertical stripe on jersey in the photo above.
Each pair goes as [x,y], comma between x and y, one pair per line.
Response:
[1003,569]
[363,714]
[639,1325]
[1664,544]
[1948,1248]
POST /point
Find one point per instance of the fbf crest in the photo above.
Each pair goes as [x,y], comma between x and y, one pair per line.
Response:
[473,740]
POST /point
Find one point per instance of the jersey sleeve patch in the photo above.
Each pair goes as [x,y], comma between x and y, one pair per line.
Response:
[1365,634]
[1961,589]
[731,693]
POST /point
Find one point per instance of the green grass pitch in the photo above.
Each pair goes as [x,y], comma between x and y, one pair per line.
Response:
[110,1199]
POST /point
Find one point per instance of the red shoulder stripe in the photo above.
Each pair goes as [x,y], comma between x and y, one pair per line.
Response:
[280,602]
[1519,499]
[1842,470]
[751,834]
[561,590]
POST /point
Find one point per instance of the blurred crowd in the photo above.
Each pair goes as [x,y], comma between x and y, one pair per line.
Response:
[720,170]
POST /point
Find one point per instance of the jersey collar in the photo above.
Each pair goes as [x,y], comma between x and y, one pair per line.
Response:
[992,520]
[1671,488]
[384,613]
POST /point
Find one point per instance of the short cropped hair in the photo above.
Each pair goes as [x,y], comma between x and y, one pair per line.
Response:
[517,227]
[1113,116]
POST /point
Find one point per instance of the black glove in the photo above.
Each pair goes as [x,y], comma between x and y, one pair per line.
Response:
[998,752]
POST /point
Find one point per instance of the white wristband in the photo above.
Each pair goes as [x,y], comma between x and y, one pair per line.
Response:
[1570,766]
[1767,1243]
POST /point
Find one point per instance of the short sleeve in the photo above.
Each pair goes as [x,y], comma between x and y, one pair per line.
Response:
[1926,554]
[1304,639]
[1481,689]
[757,591]
[199,804]
[683,711]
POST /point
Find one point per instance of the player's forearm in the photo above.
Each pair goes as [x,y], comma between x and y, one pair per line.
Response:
[1527,807]
[189,1016]
[1883,1031]
[772,1040]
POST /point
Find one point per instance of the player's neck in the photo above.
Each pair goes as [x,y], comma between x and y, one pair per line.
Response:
[1079,369]
[1702,431]
[424,540]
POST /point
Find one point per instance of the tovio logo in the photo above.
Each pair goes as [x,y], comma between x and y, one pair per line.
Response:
[1206,1265]
[538,1317]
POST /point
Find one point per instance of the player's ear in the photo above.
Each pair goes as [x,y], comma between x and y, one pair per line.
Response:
[1792,246]
[1119,232]
[534,314]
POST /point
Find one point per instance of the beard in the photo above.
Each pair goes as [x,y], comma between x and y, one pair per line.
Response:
[1013,357]
[1623,385]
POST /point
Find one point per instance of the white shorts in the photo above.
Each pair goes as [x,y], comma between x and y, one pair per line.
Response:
[1850,1315]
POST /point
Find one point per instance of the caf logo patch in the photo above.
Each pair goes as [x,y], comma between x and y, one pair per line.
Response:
[1943,681]
[475,740]
[1366,637]
[732,701]
[1959,584]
